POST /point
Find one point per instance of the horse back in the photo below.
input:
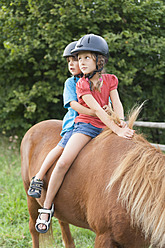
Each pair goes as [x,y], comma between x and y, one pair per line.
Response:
[83,199]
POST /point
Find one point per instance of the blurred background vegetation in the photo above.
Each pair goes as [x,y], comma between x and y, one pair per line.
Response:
[34,33]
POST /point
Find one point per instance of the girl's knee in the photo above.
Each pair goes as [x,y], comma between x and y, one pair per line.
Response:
[60,148]
[62,166]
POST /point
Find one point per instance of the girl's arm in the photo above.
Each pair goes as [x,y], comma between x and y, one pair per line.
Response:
[105,118]
[117,106]
[81,109]
[116,103]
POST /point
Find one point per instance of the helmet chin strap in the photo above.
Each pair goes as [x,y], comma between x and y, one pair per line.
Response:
[80,75]
[89,76]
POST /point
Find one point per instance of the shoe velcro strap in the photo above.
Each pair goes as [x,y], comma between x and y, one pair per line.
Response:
[35,187]
[38,183]
[44,211]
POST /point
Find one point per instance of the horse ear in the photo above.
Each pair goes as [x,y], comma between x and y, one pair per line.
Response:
[133,114]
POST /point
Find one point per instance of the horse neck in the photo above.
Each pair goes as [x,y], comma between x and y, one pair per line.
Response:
[142,190]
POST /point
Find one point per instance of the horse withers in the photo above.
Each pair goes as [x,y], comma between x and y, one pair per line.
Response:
[125,209]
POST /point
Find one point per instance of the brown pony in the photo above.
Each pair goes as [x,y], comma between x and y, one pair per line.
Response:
[115,187]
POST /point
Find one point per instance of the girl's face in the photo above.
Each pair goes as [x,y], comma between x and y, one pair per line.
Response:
[73,65]
[87,63]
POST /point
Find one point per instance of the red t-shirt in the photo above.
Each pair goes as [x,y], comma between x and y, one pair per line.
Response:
[110,82]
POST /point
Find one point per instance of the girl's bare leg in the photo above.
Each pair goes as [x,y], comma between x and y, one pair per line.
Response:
[52,156]
[73,147]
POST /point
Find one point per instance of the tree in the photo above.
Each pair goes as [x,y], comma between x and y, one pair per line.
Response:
[33,35]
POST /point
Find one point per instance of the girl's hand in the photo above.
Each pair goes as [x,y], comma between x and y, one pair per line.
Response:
[107,109]
[122,124]
[125,132]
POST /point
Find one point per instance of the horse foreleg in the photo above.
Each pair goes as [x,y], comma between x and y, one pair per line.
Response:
[33,211]
[105,241]
[66,235]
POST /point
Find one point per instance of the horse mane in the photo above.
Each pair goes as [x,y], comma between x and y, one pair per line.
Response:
[141,175]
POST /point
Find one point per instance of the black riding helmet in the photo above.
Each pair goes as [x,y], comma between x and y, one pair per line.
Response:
[92,43]
[68,49]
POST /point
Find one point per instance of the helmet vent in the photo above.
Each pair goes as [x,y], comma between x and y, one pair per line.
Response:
[89,40]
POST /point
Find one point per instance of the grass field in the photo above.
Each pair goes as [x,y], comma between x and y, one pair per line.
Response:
[14,229]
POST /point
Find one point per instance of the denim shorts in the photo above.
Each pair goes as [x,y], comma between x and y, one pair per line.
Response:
[87,128]
[65,138]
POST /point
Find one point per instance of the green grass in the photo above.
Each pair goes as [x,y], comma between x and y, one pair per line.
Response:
[14,217]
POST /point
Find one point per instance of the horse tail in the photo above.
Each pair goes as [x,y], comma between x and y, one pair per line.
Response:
[47,239]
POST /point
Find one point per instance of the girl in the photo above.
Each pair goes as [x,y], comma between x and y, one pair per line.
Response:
[93,91]
[70,102]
